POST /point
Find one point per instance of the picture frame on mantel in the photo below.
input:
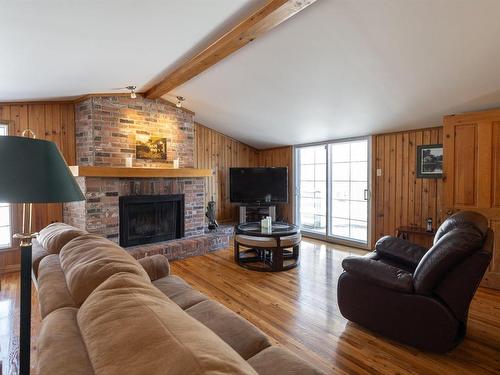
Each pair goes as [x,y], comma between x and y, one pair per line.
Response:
[151,148]
[430,161]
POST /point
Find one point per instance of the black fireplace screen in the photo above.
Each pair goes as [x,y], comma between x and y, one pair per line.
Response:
[151,218]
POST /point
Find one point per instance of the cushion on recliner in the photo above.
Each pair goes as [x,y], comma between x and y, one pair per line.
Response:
[400,250]
[462,219]
[448,252]
[379,273]
[89,260]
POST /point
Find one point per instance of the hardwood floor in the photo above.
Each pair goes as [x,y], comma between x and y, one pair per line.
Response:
[298,309]
[9,324]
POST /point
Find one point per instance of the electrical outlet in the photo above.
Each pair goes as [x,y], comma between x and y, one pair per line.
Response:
[379,172]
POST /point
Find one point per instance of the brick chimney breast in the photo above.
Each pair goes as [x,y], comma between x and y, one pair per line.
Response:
[107,130]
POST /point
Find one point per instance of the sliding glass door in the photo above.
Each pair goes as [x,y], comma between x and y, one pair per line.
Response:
[311,189]
[349,186]
[332,190]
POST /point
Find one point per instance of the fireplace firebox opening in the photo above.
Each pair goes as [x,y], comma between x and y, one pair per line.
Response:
[151,218]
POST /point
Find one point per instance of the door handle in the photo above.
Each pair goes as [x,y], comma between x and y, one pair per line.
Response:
[365,194]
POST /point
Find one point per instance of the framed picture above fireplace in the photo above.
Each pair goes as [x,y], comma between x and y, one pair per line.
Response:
[152,148]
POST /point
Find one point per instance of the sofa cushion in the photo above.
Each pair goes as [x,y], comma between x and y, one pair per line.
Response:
[179,291]
[60,348]
[157,266]
[130,327]
[54,236]
[53,292]
[37,254]
[275,360]
[240,334]
[89,260]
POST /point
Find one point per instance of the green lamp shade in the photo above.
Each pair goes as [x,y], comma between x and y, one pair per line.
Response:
[34,171]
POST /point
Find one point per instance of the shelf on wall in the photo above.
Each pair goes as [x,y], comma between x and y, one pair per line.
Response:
[89,171]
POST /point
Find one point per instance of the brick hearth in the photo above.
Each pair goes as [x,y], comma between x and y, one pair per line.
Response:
[107,129]
[186,247]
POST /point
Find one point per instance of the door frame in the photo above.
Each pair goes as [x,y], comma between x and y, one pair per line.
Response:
[328,237]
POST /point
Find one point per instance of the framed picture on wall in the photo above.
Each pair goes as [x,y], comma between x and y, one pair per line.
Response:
[430,161]
[152,148]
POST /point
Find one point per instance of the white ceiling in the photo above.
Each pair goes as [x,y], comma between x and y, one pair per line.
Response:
[63,48]
[338,69]
[350,68]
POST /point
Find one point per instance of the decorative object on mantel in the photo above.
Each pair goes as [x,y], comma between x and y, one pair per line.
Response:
[129,161]
[210,214]
[33,172]
[176,163]
[430,161]
[151,148]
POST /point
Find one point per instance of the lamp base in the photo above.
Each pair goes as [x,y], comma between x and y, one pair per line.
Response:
[25,305]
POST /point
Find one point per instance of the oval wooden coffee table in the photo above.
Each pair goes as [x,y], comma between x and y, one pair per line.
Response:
[274,251]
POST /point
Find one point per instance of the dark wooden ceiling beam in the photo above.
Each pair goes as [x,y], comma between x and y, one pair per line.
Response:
[258,23]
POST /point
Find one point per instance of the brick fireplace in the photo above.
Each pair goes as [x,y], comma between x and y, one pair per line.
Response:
[107,129]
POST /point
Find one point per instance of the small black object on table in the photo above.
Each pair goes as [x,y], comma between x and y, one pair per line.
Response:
[267,251]
[417,235]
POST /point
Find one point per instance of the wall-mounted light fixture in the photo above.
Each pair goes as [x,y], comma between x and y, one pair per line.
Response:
[180,99]
[133,95]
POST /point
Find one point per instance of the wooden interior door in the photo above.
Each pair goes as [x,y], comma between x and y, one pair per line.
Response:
[471,173]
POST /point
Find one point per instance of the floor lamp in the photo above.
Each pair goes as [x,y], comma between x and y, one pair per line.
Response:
[32,171]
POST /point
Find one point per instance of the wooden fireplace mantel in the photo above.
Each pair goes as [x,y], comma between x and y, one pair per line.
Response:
[89,171]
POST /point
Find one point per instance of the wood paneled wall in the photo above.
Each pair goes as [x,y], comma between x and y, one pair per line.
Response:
[52,121]
[281,157]
[400,198]
[220,152]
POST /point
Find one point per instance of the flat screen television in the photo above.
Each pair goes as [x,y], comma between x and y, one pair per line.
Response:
[258,185]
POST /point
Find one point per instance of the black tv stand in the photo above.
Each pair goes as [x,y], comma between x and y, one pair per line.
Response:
[256,212]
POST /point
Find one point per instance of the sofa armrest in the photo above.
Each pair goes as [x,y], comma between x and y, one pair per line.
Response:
[157,266]
[379,273]
[400,250]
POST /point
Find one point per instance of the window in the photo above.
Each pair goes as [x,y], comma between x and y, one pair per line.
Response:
[5,226]
[332,190]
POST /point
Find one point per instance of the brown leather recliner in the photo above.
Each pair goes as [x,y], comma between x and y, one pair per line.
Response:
[415,295]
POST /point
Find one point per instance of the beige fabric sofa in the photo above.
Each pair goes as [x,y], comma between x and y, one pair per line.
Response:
[105,313]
